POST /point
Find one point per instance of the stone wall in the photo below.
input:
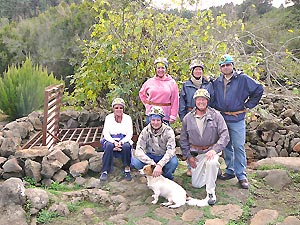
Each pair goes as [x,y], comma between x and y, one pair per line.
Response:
[272,130]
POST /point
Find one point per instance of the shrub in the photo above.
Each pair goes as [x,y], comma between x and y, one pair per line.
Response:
[22,89]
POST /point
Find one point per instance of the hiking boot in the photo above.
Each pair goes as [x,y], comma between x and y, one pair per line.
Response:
[226,176]
[127,176]
[104,176]
[211,199]
[244,184]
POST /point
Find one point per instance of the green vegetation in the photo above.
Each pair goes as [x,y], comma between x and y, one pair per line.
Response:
[44,216]
[22,88]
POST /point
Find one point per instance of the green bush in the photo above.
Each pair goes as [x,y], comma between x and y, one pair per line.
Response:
[22,89]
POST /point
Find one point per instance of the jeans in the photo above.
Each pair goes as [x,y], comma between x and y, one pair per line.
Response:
[234,153]
[109,154]
[168,169]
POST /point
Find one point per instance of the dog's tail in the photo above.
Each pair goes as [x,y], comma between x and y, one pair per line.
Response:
[196,202]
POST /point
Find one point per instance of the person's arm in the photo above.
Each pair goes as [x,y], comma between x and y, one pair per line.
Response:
[256,91]
[143,93]
[182,104]
[222,133]
[184,142]
[129,130]
[107,127]
[174,101]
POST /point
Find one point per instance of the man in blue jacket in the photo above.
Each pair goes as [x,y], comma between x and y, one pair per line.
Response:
[235,93]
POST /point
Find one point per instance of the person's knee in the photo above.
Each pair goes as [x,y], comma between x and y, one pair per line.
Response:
[137,163]
[109,146]
[126,147]
[213,163]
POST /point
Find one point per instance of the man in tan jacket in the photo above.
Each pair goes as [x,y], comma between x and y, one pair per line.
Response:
[156,146]
[203,136]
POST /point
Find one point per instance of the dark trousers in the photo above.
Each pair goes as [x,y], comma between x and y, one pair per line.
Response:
[109,154]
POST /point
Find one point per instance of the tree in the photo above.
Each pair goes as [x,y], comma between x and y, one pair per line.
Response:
[128,37]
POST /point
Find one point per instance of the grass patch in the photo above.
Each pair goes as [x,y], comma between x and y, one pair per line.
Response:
[44,216]
[295,176]
[272,167]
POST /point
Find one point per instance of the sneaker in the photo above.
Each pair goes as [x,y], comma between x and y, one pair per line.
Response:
[103,176]
[211,199]
[127,176]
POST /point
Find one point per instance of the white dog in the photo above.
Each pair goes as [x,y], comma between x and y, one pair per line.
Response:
[170,190]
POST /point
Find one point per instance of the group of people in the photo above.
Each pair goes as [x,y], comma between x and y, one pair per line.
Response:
[212,113]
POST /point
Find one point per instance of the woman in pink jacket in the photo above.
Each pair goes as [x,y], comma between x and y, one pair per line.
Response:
[161,90]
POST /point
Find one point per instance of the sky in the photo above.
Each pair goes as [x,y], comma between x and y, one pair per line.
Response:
[204,4]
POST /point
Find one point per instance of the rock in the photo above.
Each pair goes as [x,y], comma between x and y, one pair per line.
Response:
[86,152]
[9,146]
[38,199]
[264,217]
[290,220]
[277,178]
[215,222]
[191,215]
[11,166]
[33,169]
[95,163]
[292,163]
[12,192]
[70,148]
[227,212]
[296,147]
[32,153]
[60,208]
[60,176]
[58,155]
[79,169]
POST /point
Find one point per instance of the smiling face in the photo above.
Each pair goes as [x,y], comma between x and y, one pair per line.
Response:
[156,123]
[197,72]
[160,71]
[118,110]
[201,103]
[226,68]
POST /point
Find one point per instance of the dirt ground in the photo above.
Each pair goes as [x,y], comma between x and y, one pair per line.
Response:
[138,196]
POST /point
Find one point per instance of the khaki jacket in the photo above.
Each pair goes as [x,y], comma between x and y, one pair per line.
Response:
[161,143]
[215,132]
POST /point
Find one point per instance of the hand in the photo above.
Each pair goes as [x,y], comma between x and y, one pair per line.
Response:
[172,121]
[157,171]
[210,154]
[193,162]
[118,146]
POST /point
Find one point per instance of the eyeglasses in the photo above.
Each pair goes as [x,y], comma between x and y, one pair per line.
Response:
[118,107]
[227,65]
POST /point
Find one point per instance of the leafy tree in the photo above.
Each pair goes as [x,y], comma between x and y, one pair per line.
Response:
[128,38]
[52,39]
[22,88]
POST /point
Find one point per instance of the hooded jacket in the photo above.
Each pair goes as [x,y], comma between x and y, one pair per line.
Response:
[159,90]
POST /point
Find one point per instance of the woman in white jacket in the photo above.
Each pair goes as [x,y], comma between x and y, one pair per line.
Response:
[117,134]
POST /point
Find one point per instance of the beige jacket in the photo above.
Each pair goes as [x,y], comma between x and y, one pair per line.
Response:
[161,143]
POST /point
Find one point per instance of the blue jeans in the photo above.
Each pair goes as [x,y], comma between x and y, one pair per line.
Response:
[234,153]
[109,154]
[168,169]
